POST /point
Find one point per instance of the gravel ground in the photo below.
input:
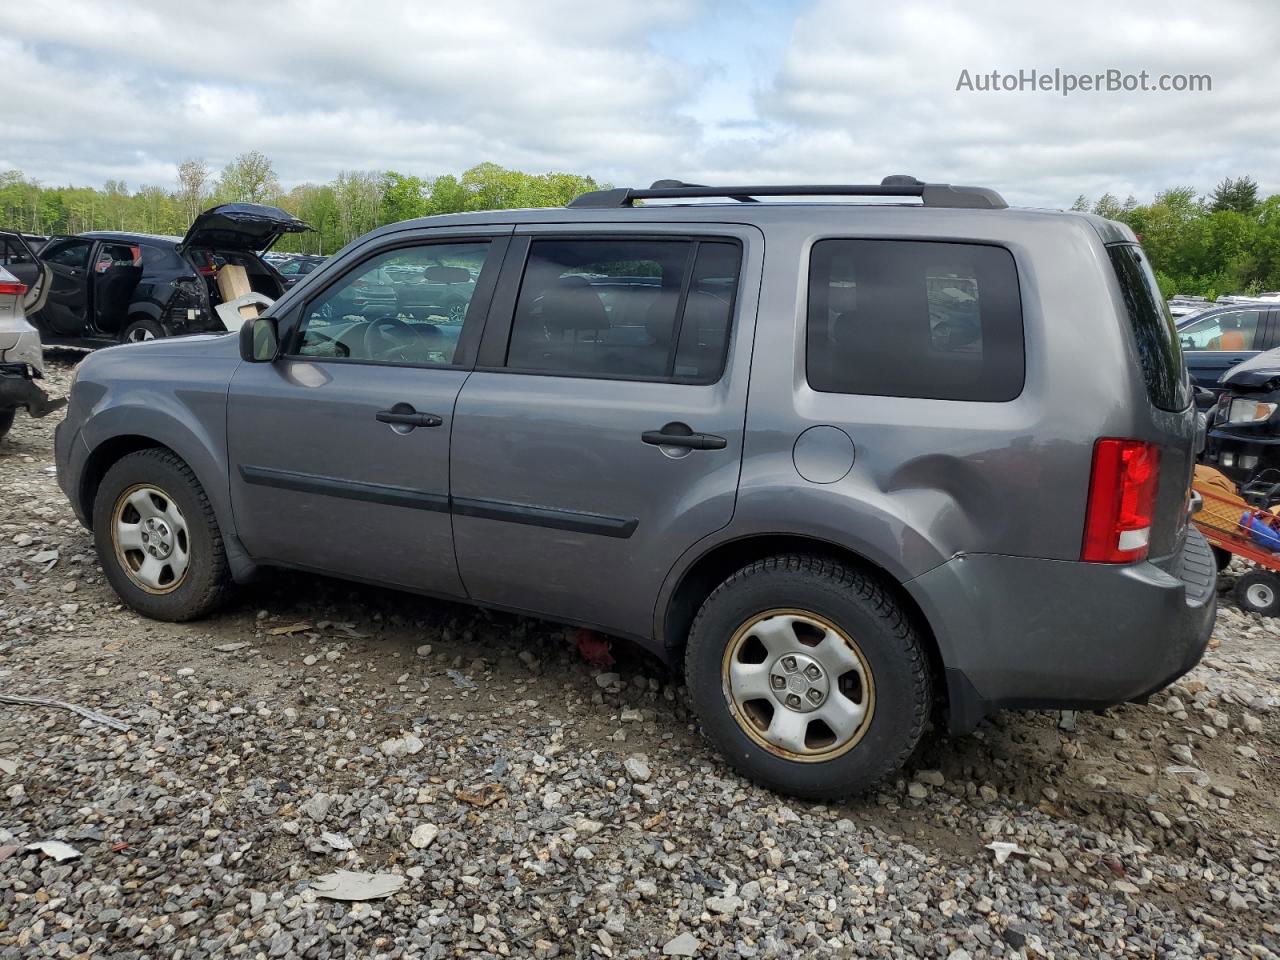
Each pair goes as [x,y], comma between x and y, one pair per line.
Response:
[528,804]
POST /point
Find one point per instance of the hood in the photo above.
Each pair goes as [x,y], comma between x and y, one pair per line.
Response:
[241,226]
[1256,373]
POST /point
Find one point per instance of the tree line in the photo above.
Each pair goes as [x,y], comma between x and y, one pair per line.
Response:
[1227,241]
[353,203]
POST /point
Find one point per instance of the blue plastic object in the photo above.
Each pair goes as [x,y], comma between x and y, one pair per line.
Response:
[1260,532]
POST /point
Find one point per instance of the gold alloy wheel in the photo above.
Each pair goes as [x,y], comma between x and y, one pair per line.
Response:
[798,685]
[149,534]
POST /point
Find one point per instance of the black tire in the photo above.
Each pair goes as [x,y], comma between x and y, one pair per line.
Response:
[141,328]
[1258,591]
[859,606]
[6,421]
[206,579]
[1221,557]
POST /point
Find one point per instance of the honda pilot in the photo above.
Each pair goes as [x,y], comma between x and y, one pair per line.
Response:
[853,465]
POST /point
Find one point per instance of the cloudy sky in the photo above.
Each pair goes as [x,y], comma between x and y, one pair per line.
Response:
[719,90]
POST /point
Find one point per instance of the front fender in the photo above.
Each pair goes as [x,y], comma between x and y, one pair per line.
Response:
[131,393]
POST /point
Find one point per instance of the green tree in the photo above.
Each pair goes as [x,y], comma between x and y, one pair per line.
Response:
[447,195]
[193,187]
[1108,206]
[403,197]
[1239,194]
[249,178]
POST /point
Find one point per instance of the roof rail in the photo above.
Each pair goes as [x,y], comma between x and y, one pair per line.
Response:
[933,194]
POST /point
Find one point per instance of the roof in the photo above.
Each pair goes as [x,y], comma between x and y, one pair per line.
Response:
[124,235]
[824,215]
[1215,309]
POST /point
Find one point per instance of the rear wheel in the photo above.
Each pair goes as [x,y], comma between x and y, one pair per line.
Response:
[140,329]
[1258,591]
[157,537]
[808,676]
[6,421]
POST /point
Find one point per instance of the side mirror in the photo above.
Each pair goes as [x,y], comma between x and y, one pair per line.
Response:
[259,340]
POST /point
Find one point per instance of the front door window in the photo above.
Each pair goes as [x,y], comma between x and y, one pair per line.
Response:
[406,306]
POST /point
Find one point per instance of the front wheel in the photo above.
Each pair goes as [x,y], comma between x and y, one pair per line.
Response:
[6,421]
[157,537]
[809,676]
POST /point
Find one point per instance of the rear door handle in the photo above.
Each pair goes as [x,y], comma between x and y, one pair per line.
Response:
[678,434]
[408,419]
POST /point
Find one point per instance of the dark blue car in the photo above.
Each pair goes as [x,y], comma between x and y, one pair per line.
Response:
[1216,339]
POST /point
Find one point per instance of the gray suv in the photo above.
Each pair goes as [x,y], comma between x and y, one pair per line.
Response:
[854,464]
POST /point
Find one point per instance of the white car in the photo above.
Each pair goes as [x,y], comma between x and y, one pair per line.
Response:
[21,359]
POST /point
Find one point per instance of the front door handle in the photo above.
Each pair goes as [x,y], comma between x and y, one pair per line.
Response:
[678,434]
[408,418]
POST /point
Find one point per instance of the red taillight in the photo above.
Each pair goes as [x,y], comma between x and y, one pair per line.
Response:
[17,289]
[1122,492]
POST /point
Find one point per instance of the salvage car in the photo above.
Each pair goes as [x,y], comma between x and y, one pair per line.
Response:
[1243,426]
[849,463]
[293,267]
[1217,339]
[108,287]
[21,356]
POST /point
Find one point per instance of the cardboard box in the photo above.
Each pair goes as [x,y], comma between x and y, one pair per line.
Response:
[233,283]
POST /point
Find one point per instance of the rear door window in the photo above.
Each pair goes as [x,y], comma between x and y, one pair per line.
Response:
[1224,331]
[646,309]
[899,318]
[1159,350]
[13,252]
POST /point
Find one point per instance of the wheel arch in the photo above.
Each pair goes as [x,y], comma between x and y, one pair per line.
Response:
[118,431]
[101,459]
[715,565]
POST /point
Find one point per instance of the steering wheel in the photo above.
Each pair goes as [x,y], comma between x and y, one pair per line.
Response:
[384,337]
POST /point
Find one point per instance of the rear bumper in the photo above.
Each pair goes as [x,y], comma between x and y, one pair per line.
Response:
[1023,633]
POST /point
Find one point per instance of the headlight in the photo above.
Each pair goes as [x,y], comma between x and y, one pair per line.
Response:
[1249,411]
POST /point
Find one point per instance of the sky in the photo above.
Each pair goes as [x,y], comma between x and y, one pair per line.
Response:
[719,91]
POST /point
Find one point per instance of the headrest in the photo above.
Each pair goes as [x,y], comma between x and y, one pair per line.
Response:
[572,304]
[442,274]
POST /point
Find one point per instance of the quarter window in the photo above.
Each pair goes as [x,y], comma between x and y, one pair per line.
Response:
[68,253]
[404,306]
[900,318]
[1225,331]
[1159,349]
[641,309]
